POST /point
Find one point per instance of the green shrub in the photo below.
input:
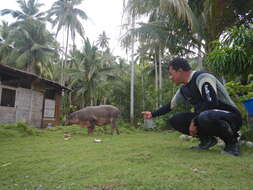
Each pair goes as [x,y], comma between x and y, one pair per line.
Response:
[247,135]
[162,123]
[246,130]
[239,93]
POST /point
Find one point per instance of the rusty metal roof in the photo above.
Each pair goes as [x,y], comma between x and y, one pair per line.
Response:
[5,69]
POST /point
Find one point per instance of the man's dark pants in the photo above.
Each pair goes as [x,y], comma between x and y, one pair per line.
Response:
[214,122]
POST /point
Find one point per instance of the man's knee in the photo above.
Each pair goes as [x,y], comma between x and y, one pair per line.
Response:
[204,118]
[207,123]
[181,121]
[173,121]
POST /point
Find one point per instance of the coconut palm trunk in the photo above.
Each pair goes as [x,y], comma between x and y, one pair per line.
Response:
[160,76]
[65,57]
[156,78]
[200,65]
[132,76]
[142,86]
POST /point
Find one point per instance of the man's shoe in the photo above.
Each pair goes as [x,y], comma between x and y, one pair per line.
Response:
[205,143]
[232,149]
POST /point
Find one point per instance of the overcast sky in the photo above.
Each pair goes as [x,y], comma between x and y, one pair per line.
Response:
[105,16]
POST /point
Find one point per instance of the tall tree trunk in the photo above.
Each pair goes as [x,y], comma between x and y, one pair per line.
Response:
[83,100]
[66,57]
[142,85]
[156,79]
[91,98]
[200,65]
[62,58]
[132,76]
[31,68]
[70,98]
[74,44]
[104,100]
[160,75]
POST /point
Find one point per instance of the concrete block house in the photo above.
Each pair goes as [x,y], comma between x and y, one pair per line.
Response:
[26,97]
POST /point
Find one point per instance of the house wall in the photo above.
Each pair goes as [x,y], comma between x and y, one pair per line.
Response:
[30,93]
[35,115]
[23,104]
[28,107]
[7,114]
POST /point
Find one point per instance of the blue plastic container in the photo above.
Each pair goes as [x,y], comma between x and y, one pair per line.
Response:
[248,104]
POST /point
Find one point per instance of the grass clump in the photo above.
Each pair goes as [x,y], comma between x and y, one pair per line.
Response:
[18,129]
[99,130]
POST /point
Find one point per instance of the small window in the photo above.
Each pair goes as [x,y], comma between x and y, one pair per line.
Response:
[8,97]
[50,94]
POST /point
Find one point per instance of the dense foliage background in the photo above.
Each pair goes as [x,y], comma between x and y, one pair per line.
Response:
[214,35]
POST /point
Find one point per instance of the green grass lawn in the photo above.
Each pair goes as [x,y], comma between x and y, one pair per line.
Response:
[134,160]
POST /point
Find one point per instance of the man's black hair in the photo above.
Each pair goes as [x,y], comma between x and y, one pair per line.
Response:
[179,63]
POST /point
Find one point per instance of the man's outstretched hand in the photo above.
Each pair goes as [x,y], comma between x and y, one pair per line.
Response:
[147,114]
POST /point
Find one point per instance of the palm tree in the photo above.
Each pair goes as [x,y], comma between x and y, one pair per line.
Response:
[163,29]
[108,58]
[64,14]
[103,41]
[52,67]
[209,19]
[5,46]
[29,10]
[88,74]
[132,73]
[203,21]
[160,33]
[232,57]
[32,43]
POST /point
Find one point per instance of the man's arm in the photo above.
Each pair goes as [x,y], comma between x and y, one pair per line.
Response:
[161,111]
[208,89]
[176,100]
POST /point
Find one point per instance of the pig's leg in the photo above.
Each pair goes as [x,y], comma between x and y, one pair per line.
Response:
[114,127]
[90,130]
[91,127]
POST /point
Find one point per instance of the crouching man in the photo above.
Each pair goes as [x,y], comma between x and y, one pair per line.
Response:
[215,114]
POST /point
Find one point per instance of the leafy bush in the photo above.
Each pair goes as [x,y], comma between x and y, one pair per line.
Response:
[247,135]
[239,93]
[232,57]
